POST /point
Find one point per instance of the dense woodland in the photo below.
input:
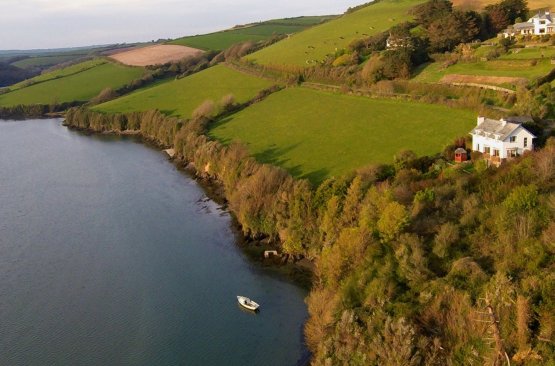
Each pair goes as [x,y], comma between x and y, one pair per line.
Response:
[10,74]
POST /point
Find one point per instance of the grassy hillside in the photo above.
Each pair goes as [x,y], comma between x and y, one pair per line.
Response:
[59,73]
[511,68]
[181,97]
[527,63]
[76,83]
[254,32]
[318,134]
[315,43]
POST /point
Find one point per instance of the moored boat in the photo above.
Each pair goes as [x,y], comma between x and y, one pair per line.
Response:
[247,303]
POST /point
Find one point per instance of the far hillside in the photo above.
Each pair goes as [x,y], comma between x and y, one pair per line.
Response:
[18,65]
[219,41]
[314,44]
[181,97]
[317,135]
[59,73]
[77,83]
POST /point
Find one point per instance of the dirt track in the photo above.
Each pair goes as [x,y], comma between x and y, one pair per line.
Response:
[154,55]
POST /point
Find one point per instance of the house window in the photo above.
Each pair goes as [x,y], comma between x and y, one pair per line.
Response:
[511,153]
[495,152]
[526,142]
[477,147]
[486,150]
[512,139]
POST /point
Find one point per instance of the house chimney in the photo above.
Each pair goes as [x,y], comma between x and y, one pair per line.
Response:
[480,120]
[503,122]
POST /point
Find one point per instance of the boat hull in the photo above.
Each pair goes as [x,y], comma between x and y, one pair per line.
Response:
[247,303]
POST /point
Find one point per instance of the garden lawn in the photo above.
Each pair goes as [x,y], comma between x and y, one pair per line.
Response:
[304,48]
[257,32]
[181,97]
[80,86]
[317,135]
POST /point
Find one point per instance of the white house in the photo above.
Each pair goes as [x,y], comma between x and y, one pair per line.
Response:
[398,42]
[541,23]
[501,139]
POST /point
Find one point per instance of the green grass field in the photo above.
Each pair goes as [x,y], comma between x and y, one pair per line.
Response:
[529,53]
[70,84]
[317,134]
[257,32]
[317,42]
[433,72]
[181,97]
[60,73]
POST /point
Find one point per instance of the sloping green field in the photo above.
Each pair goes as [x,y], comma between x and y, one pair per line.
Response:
[66,71]
[317,134]
[181,97]
[65,86]
[317,42]
[521,68]
[530,53]
[255,32]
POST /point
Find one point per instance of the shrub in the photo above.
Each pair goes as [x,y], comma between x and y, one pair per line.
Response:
[105,95]
[206,109]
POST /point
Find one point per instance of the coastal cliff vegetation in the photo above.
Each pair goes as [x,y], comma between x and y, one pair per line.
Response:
[416,263]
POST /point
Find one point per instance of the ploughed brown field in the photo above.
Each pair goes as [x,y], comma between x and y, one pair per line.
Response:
[154,55]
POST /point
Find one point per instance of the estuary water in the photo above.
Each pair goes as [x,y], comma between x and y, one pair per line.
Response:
[111,256]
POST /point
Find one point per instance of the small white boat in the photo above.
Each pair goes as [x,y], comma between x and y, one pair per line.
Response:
[247,303]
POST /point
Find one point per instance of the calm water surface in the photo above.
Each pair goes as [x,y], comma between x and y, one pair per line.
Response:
[110,256]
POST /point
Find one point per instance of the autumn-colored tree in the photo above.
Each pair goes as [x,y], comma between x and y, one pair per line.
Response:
[393,220]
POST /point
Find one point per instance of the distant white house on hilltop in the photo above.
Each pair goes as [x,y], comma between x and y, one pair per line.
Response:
[541,23]
[501,139]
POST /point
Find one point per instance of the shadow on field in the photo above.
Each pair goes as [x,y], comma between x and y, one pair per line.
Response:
[318,176]
[273,155]
[168,112]
[220,122]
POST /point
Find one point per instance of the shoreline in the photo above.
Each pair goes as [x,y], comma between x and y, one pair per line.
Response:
[298,272]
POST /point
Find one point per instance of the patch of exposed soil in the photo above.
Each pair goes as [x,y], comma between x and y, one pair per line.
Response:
[155,55]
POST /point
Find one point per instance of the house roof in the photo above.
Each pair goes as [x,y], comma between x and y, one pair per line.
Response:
[460,150]
[525,25]
[500,129]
